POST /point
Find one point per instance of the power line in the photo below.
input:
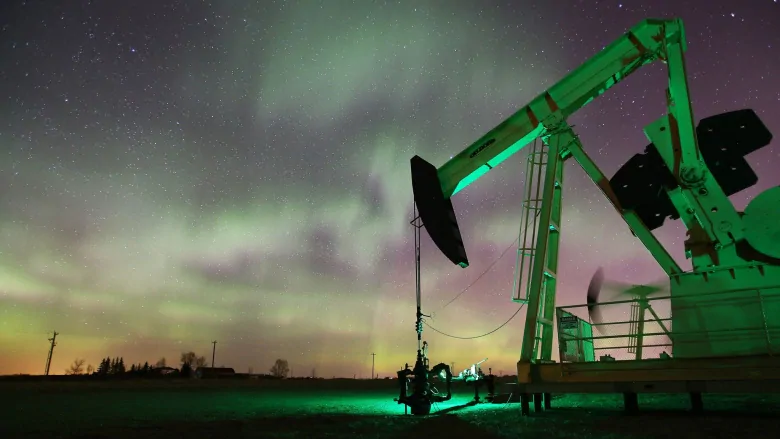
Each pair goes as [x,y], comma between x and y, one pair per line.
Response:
[477,336]
[480,276]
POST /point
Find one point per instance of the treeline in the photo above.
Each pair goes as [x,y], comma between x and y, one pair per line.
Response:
[116,366]
[190,362]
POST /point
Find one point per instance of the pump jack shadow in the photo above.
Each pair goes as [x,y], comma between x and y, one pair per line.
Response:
[455,408]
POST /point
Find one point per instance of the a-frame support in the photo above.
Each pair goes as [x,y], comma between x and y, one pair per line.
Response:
[540,316]
[563,143]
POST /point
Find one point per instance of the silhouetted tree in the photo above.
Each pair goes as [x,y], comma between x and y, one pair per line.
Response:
[192,360]
[280,369]
[146,366]
[186,370]
[160,362]
[188,358]
[90,369]
[77,368]
[120,365]
[104,367]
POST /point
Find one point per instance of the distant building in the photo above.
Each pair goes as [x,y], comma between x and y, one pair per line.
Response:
[164,370]
[214,372]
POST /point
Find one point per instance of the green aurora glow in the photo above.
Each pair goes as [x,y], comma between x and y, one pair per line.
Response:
[245,178]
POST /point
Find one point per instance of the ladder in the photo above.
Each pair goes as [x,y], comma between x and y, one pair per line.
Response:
[536,165]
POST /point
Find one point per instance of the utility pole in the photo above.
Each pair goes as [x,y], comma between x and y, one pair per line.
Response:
[373,357]
[213,352]
[53,341]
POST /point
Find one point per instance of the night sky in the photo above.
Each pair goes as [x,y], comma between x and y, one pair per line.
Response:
[177,172]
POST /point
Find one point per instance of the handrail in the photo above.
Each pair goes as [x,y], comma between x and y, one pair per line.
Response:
[656,334]
[683,296]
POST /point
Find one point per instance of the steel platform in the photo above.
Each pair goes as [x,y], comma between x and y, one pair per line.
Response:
[753,374]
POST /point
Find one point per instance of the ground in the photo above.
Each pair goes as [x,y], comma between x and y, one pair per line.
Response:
[348,408]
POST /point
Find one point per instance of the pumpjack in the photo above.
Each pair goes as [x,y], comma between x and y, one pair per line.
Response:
[725,309]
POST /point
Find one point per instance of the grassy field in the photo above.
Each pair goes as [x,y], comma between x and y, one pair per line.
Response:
[346,408]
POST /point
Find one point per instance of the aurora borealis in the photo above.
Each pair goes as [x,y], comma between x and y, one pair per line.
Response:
[177,172]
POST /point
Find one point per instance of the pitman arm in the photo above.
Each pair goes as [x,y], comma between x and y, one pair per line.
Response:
[643,44]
